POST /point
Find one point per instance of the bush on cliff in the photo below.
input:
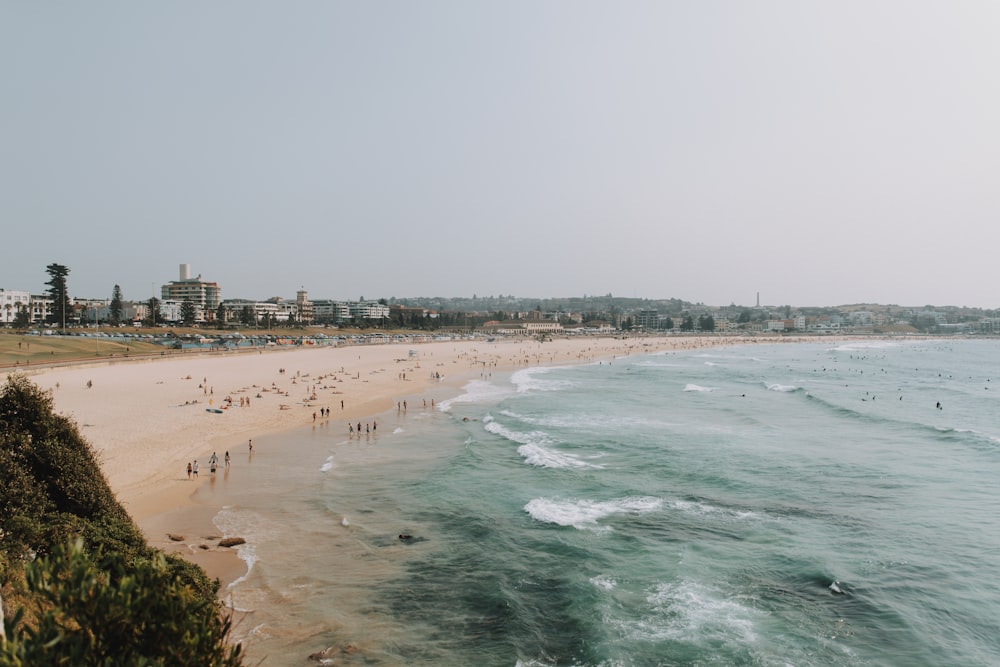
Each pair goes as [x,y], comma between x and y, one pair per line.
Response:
[80,585]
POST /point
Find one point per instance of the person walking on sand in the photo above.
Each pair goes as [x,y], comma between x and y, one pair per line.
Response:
[227,458]
[194,468]
[189,470]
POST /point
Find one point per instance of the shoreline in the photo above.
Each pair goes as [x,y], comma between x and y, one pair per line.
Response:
[146,420]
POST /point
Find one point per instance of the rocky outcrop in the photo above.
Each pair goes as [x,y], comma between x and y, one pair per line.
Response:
[330,653]
[231,541]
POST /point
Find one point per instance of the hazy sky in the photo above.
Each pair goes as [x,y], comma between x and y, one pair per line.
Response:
[820,153]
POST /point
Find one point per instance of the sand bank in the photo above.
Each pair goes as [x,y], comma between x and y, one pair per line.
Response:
[148,419]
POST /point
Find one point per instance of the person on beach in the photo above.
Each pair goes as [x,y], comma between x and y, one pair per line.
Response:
[194,468]
[189,470]
[250,443]
[213,460]
[227,458]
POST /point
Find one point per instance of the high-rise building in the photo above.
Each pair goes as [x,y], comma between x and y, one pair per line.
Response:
[205,296]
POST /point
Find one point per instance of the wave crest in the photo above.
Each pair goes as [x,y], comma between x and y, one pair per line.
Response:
[584,514]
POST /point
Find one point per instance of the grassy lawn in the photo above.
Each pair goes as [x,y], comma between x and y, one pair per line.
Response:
[18,349]
[21,350]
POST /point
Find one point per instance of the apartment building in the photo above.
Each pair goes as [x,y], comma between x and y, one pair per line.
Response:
[206,296]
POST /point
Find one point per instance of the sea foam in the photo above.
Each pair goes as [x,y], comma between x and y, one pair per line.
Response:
[477,391]
[546,457]
[685,609]
[536,447]
[584,514]
[532,379]
[236,522]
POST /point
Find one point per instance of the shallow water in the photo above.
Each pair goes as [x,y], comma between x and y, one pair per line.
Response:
[676,509]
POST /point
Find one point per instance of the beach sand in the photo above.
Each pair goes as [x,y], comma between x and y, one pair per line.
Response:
[148,419]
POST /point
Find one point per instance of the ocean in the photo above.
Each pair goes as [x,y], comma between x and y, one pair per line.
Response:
[772,505]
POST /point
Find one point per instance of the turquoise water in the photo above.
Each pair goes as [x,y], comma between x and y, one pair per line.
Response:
[688,508]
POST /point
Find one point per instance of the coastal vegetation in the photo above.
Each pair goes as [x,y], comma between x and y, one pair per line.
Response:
[79,583]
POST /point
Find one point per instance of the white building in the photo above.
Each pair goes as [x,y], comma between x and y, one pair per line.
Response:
[274,310]
[171,310]
[12,302]
[368,310]
[541,326]
[39,308]
[330,311]
[206,296]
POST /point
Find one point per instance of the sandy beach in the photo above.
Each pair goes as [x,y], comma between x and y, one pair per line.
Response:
[148,419]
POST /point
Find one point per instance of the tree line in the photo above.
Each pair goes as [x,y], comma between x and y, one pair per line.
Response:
[61,313]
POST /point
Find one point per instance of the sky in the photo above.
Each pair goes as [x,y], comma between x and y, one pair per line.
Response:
[819,153]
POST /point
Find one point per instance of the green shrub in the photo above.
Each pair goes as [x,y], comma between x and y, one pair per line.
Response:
[109,615]
[97,594]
